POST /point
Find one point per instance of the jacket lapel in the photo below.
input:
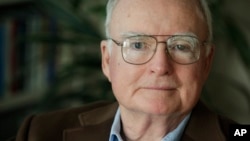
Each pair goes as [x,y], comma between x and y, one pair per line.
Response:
[203,126]
[95,125]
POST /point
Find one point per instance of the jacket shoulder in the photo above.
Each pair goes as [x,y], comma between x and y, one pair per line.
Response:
[50,126]
[207,125]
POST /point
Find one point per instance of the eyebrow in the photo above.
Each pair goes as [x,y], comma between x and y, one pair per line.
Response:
[129,34]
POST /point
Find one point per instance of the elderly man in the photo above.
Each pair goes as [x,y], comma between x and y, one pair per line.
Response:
[157,56]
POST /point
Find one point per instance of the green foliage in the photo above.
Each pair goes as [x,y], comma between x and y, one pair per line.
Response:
[81,81]
[226,28]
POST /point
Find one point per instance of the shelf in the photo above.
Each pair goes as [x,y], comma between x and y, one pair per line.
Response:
[13,2]
[19,101]
[16,8]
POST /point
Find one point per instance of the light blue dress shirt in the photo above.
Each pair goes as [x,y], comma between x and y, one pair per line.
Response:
[174,135]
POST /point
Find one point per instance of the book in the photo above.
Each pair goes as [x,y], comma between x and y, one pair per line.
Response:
[2,59]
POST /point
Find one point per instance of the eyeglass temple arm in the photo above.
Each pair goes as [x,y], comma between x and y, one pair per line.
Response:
[116,42]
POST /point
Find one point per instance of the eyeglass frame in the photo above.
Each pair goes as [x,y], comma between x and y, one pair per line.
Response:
[120,43]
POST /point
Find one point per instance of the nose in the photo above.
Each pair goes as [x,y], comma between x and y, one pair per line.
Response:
[161,63]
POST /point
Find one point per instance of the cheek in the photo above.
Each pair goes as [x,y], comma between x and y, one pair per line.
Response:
[115,70]
[122,84]
[192,83]
[121,75]
[195,74]
[125,78]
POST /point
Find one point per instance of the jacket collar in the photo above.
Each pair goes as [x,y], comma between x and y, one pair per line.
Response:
[202,126]
[92,126]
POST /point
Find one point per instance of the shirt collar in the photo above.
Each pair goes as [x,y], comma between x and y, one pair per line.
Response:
[174,135]
[116,128]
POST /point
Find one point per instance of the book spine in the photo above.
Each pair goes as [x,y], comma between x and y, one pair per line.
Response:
[22,55]
[13,58]
[2,59]
[7,38]
[52,54]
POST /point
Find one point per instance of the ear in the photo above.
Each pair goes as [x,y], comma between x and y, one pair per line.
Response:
[208,59]
[105,58]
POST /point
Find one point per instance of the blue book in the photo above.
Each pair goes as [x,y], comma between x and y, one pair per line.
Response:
[2,59]
[22,54]
[51,76]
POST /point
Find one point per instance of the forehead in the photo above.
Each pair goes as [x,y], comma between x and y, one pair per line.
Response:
[188,4]
[157,17]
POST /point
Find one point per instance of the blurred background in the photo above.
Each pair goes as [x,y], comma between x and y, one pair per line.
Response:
[50,58]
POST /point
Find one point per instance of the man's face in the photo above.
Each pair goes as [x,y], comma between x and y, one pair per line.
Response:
[161,86]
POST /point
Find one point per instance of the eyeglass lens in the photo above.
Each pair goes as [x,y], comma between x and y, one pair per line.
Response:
[181,48]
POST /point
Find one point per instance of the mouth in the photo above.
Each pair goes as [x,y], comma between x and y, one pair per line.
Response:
[155,88]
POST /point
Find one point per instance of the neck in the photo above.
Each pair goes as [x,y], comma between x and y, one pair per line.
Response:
[146,127]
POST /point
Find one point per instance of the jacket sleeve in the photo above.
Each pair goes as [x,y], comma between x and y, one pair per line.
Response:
[23,131]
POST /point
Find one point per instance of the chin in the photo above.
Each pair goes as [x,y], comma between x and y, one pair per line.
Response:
[160,108]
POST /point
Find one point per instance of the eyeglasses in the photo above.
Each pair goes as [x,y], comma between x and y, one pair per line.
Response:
[140,49]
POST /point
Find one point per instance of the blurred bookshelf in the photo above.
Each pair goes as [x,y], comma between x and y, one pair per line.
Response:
[31,57]
[13,2]
[26,67]
[13,52]
[49,59]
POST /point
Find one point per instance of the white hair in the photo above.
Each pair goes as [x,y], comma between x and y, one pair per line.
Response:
[203,7]
[208,16]
[109,10]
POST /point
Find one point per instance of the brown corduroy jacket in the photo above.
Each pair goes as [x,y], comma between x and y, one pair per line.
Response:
[93,123]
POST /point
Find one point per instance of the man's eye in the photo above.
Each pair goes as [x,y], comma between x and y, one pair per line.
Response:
[184,48]
[138,45]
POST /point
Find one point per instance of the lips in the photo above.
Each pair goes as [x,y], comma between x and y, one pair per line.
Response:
[160,88]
